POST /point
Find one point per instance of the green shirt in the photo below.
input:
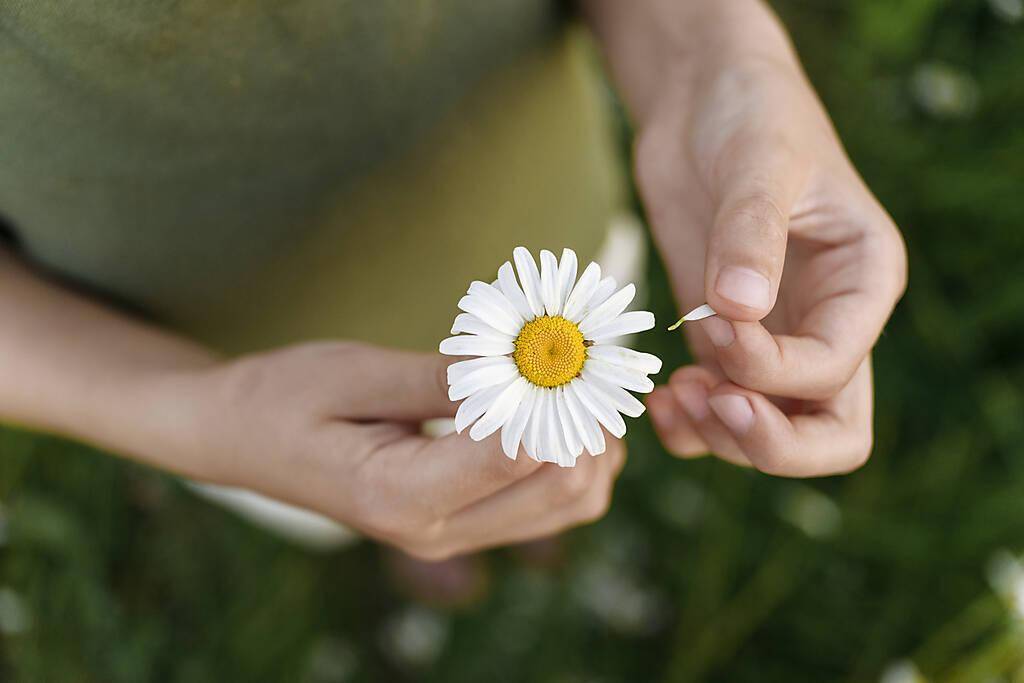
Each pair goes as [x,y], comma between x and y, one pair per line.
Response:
[260,171]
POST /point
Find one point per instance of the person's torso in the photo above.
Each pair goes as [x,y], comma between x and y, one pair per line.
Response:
[192,156]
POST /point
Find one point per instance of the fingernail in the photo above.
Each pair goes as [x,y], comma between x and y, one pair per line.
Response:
[734,410]
[693,397]
[719,331]
[744,286]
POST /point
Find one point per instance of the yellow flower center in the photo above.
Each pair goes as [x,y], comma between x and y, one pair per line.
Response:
[550,351]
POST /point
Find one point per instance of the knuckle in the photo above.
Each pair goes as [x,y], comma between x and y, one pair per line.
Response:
[771,462]
[428,552]
[596,505]
[761,211]
[900,268]
[656,166]
[574,483]
[441,375]
[860,452]
[501,469]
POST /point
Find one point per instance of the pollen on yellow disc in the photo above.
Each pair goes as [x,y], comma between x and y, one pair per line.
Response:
[550,351]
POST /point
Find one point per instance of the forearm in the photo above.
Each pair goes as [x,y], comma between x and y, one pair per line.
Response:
[73,367]
[652,44]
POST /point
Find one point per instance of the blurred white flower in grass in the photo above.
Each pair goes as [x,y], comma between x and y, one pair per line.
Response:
[811,511]
[415,637]
[331,660]
[903,671]
[944,91]
[621,601]
[548,373]
[680,502]
[14,616]
[1006,576]
[1010,11]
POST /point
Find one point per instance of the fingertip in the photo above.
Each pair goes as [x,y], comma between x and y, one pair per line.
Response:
[674,428]
[692,396]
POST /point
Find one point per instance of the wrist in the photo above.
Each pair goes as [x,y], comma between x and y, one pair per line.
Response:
[161,418]
[660,51]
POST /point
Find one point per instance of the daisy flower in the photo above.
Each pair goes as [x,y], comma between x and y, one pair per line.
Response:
[547,373]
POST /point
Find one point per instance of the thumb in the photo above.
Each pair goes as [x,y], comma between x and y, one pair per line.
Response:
[747,245]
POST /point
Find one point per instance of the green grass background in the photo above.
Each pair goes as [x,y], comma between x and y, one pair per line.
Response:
[111,572]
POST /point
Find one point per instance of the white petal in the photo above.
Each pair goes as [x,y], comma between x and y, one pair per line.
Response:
[621,400]
[482,378]
[582,293]
[549,282]
[512,432]
[600,408]
[586,424]
[627,323]
[627,358]
[510,288]
[566,277]
[569,431]
[605,288]
[469,323]
[501,411]
[472,345]
[494,296]
[531,437]
[619,376]
[490,313]
[456,371]
[529,278]
[476,405]
[609,310]
[554,448]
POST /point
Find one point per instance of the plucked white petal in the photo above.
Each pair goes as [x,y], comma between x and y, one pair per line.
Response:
[600,408]
[493,295]
[501,411]
[566,277]
[492,315]
[571,434]
[456,371]
[586,424]
[582,293]
[627,323]
[512,291]
[529,278]
[609,310]
[472,345]
[621,400]
[619,376]
[476,405]
[549,282]
[627,358]
[482,378]
[512,432]
[470,324]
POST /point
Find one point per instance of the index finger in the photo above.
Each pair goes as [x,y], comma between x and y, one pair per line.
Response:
[448,473]
[390,384]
